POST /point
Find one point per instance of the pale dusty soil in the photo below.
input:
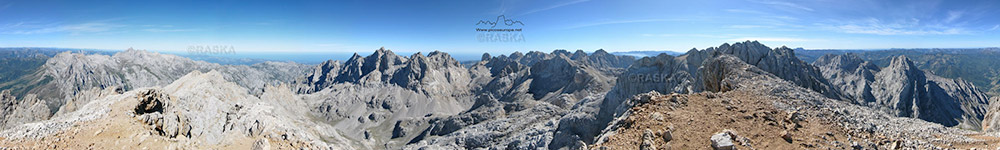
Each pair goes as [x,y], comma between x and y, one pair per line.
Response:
[988,142]
[119,130]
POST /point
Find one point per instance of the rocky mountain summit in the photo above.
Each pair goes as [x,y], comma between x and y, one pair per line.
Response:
[686,73]
[682,74]
[906,91]
[197,111]
[740,95]
[67,76]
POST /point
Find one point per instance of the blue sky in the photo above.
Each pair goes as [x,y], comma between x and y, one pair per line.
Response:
[410,26]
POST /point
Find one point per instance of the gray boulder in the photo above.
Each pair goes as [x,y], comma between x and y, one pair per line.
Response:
[722,141]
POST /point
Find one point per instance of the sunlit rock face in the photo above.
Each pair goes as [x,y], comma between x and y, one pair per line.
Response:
[904,90]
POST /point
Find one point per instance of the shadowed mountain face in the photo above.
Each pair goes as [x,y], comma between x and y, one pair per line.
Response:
[903,89]
[534,100]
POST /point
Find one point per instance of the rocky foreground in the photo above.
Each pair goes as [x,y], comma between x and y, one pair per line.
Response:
[743,95]
[761,111]
[197,111]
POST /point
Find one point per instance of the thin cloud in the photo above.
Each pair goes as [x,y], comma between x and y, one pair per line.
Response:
[5,6]
[90,27]
[783,4]
[616,22]
[995,27]
[896,31]
[36,27]
[717,36]
[748,26]
[158,26]
[784,17]
[744,11]
[168,30]
[772,39]
[326,45]
[766,20]
[953,15]
[553,7]
[903,27]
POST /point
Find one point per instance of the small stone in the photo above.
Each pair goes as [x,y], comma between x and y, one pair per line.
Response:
[897,145]
[647,134]
[647,145]
[787,136]
[261,144]
[792,116]
[647,140]
[666,136]
[722,141]
[656,116]
[855,145]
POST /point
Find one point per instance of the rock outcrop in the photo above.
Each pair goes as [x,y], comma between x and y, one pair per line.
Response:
[849,74]
[906,91]
[991,122]
[686,73]
[15,111]
[779,61]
